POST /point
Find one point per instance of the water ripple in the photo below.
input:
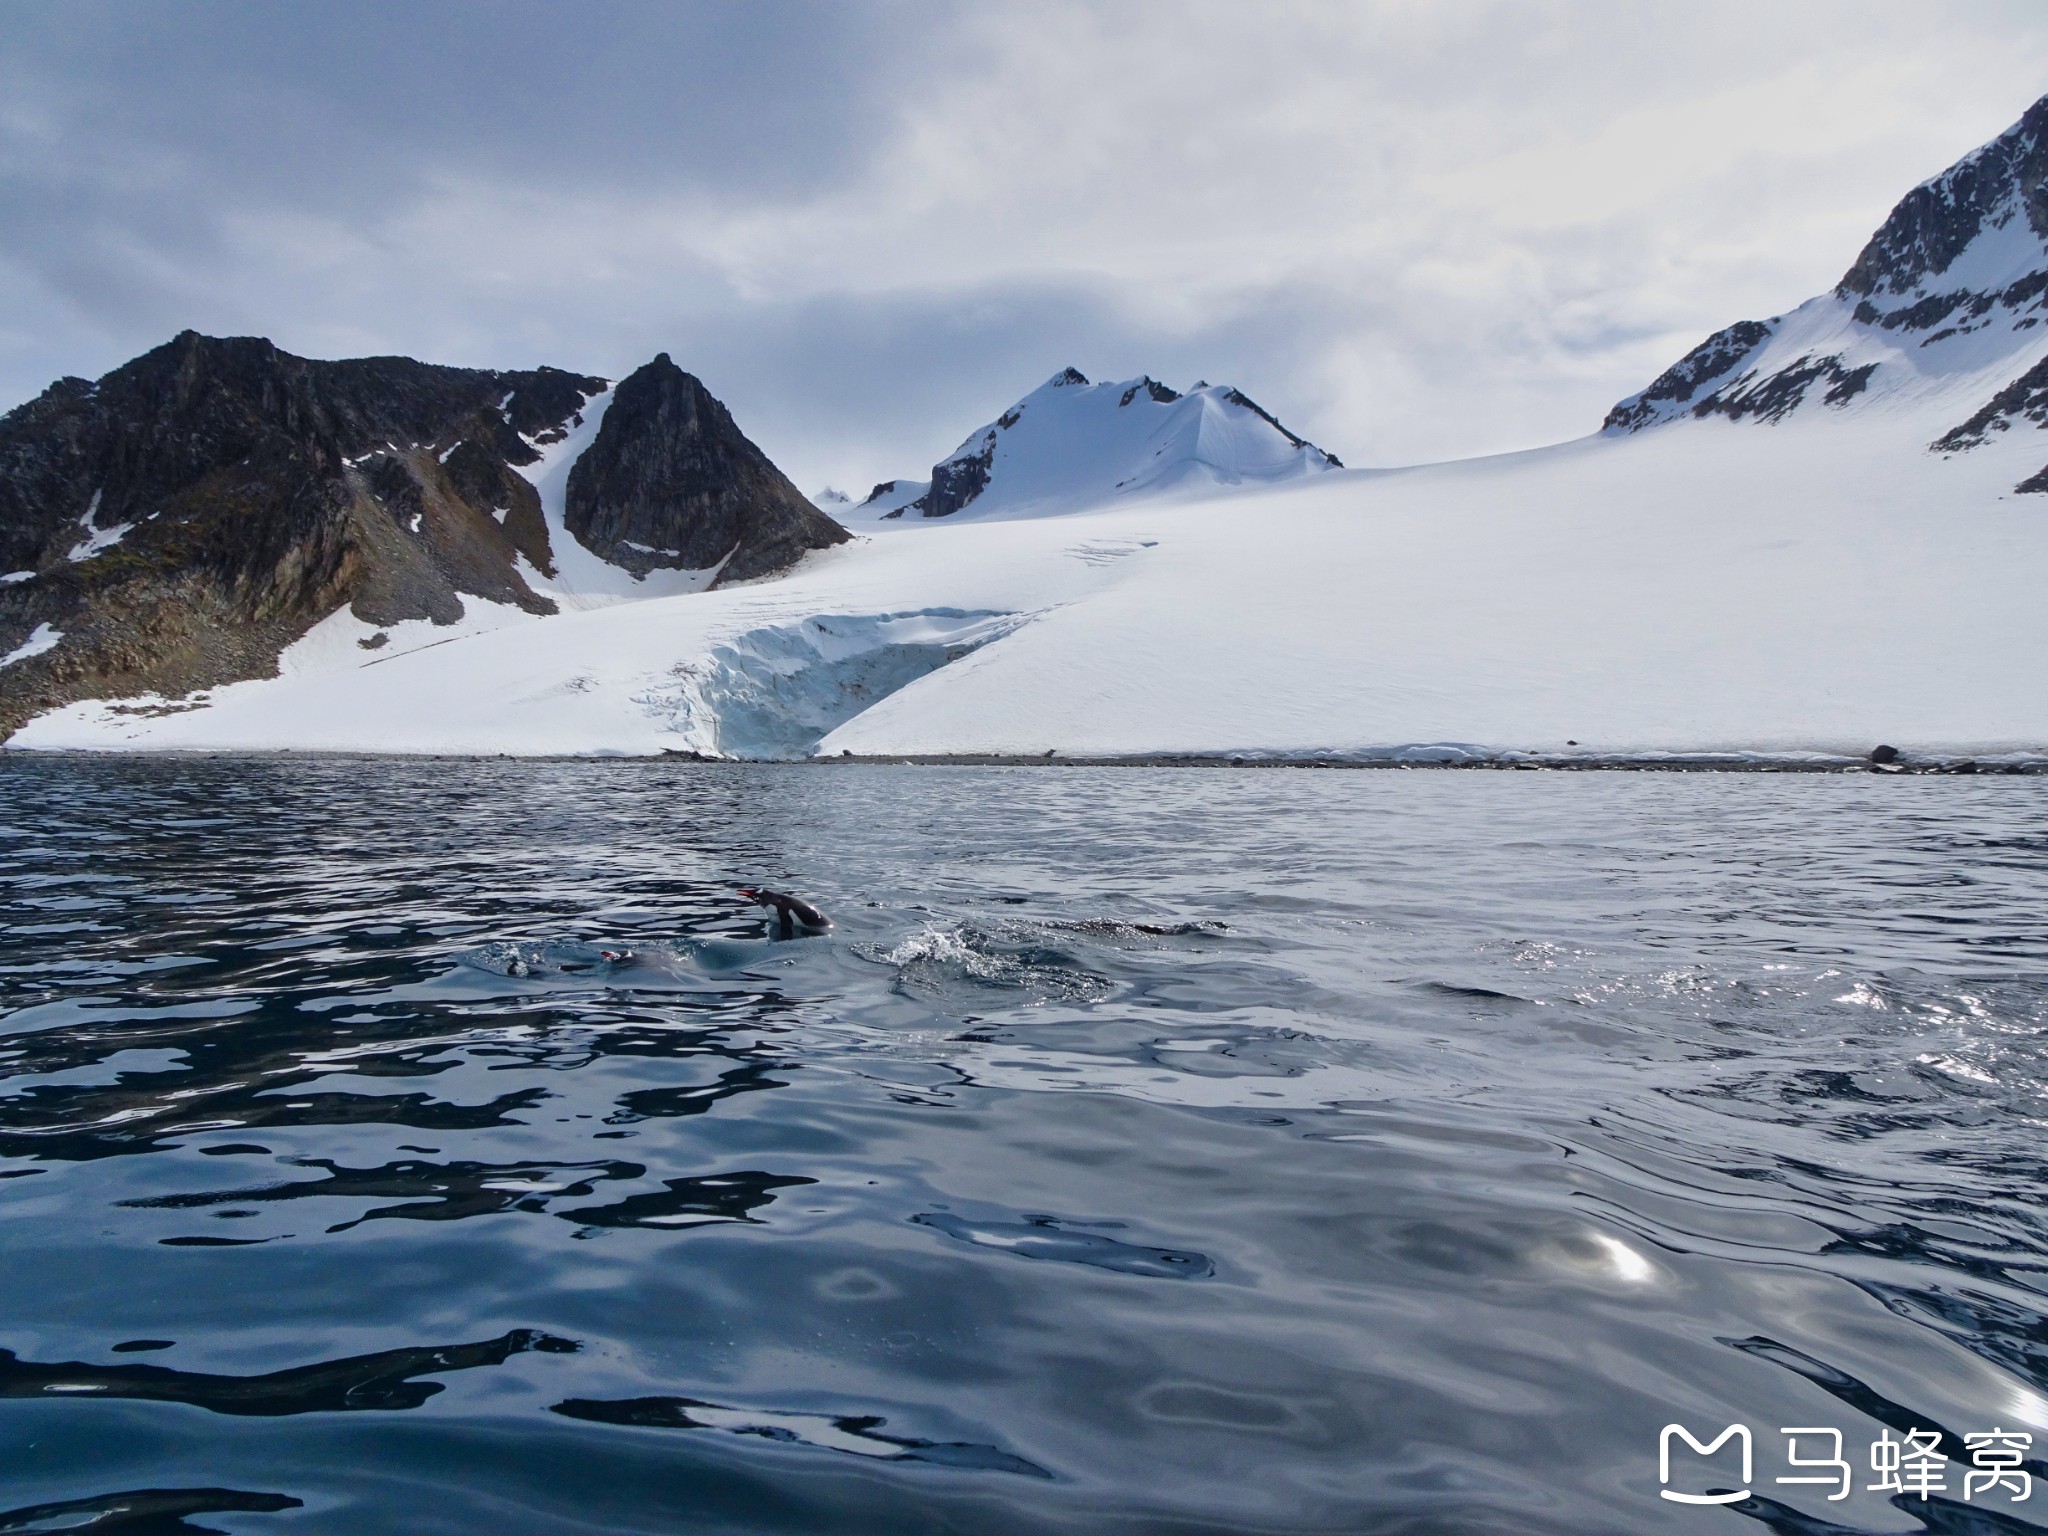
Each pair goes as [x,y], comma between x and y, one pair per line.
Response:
[1495,1119]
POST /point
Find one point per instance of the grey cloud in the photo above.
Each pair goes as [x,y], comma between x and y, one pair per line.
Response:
[1412,231]
[141,138]
[318,103]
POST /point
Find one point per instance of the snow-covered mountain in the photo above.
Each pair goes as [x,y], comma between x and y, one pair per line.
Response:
[1703,587]
[1941,314]
[1739,591]
[182,521]
[1071,444]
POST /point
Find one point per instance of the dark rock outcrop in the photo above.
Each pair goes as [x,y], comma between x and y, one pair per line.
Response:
[1776,395]
[2025,398]
[961,478]
[187,516]
[672,483]
[1904,288]
[1712,359]
[1160,394]
[180,521]
[1933,223]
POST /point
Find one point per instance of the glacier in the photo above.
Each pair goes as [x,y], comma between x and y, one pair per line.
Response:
[1818,587]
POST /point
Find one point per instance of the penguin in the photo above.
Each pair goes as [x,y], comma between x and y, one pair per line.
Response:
[795,917]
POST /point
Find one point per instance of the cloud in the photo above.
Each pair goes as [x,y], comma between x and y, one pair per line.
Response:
[1412,229]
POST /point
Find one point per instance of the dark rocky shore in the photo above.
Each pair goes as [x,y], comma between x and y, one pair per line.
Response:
[1704,762]
[2013,765]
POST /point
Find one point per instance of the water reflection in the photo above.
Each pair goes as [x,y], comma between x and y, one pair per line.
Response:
[1937,1516]
[1047,1237]
[384,1380]
[143,1511]
[1857,1395]
[1492,1118]
[848,1434]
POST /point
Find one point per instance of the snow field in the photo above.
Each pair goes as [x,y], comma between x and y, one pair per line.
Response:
[1816,586]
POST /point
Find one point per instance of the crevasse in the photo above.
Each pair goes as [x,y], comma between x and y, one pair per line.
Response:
[777,690]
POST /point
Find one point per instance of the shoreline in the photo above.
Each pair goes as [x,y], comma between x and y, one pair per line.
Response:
[1686,762]
[1911,765]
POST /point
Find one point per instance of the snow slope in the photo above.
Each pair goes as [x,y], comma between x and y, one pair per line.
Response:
[1816,588]
[1938,323]
[1071,444]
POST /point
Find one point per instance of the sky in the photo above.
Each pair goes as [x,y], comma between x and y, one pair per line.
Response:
[1413,229]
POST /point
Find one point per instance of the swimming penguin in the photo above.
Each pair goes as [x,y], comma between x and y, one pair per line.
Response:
[794,915]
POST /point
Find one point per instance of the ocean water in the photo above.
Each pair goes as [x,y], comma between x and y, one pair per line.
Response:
[1144,1150]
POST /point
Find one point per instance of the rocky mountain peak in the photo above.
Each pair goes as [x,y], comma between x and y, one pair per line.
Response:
[672,483]
[1944,305]
[177,522]
[1985,191]
[1153,390]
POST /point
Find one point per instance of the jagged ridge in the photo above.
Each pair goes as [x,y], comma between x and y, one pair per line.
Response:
[1963,255]
[177,523]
